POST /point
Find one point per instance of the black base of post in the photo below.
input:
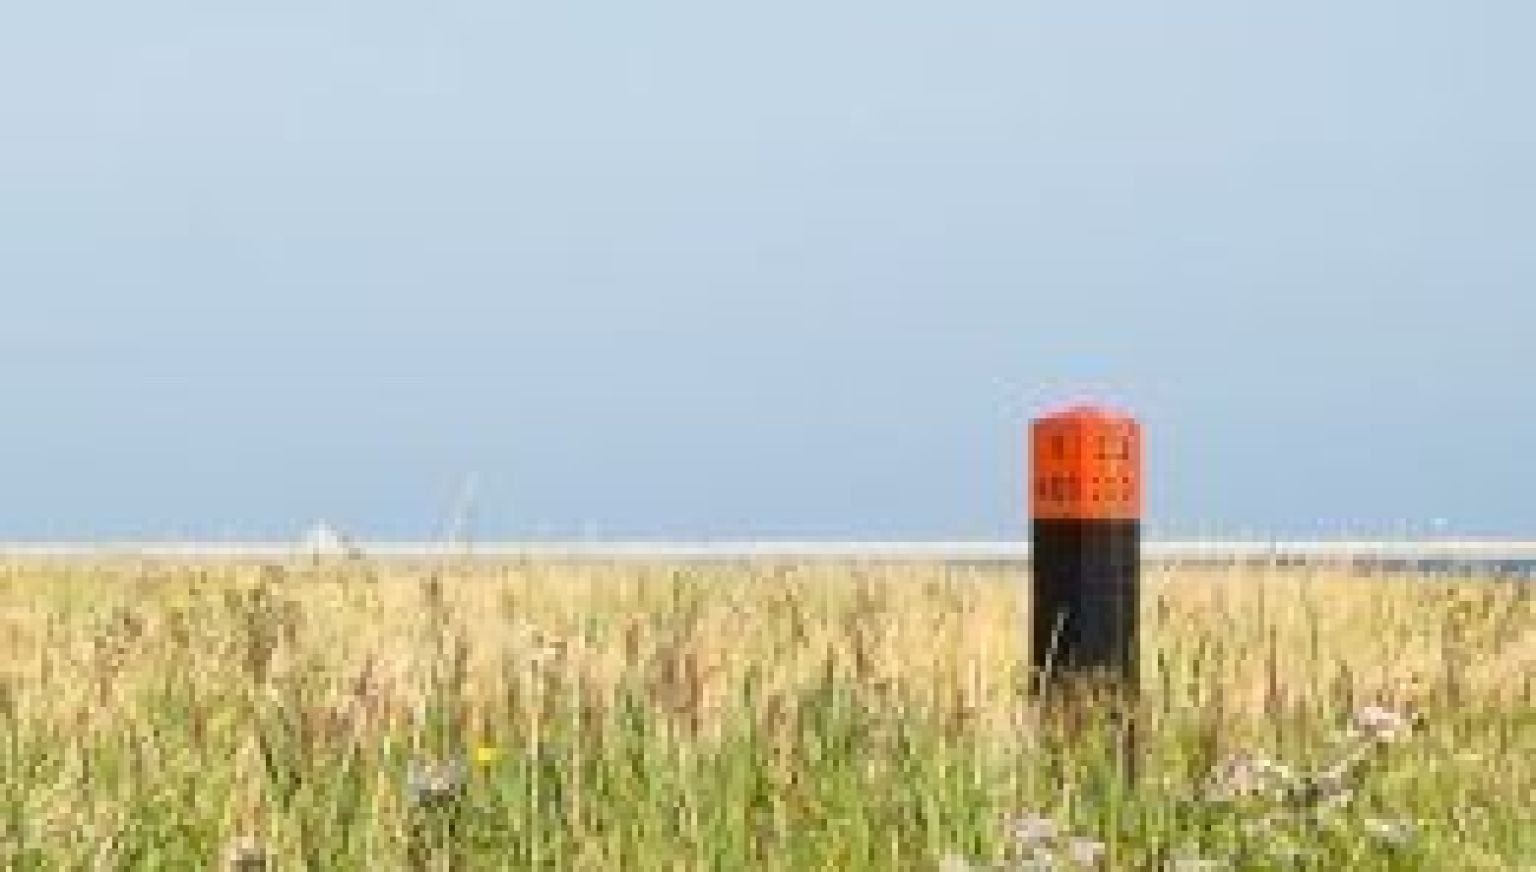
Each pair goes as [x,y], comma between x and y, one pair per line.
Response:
[1087,589]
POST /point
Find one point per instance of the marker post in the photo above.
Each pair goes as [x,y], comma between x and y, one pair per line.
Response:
[1085,506]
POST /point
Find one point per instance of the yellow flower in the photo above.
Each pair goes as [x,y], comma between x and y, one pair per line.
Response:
[487,755]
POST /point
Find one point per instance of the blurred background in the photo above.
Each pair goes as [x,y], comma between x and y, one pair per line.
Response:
[688,269]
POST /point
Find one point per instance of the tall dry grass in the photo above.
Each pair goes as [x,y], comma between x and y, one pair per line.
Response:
[350,715]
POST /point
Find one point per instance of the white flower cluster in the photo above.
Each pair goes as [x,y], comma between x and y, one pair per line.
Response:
[1275,804]
[1039,844]
[431,785]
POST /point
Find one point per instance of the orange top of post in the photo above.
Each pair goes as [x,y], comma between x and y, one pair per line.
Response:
[1085,464]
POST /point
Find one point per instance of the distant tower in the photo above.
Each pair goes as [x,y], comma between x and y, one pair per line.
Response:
[325,541]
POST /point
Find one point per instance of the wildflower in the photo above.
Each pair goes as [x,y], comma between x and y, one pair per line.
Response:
[1331,787]
[1243,776]
[1041,860]
[1084,852]
[435,784]
[246,854]
[1325,791]
[1380,725]
[1033,831]
[1393,833]
[487,755]
[1264,827]
[955,863]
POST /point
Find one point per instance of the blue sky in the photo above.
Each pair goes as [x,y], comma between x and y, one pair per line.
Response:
[790,269]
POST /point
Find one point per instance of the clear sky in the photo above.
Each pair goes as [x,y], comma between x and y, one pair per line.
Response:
[796,268]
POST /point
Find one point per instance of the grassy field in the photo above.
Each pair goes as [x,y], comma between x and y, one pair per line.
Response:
[760,717]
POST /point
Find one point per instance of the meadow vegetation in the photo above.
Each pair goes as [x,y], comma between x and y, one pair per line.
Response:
[352,715]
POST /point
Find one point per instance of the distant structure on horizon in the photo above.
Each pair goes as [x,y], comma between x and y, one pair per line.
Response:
[325,541]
